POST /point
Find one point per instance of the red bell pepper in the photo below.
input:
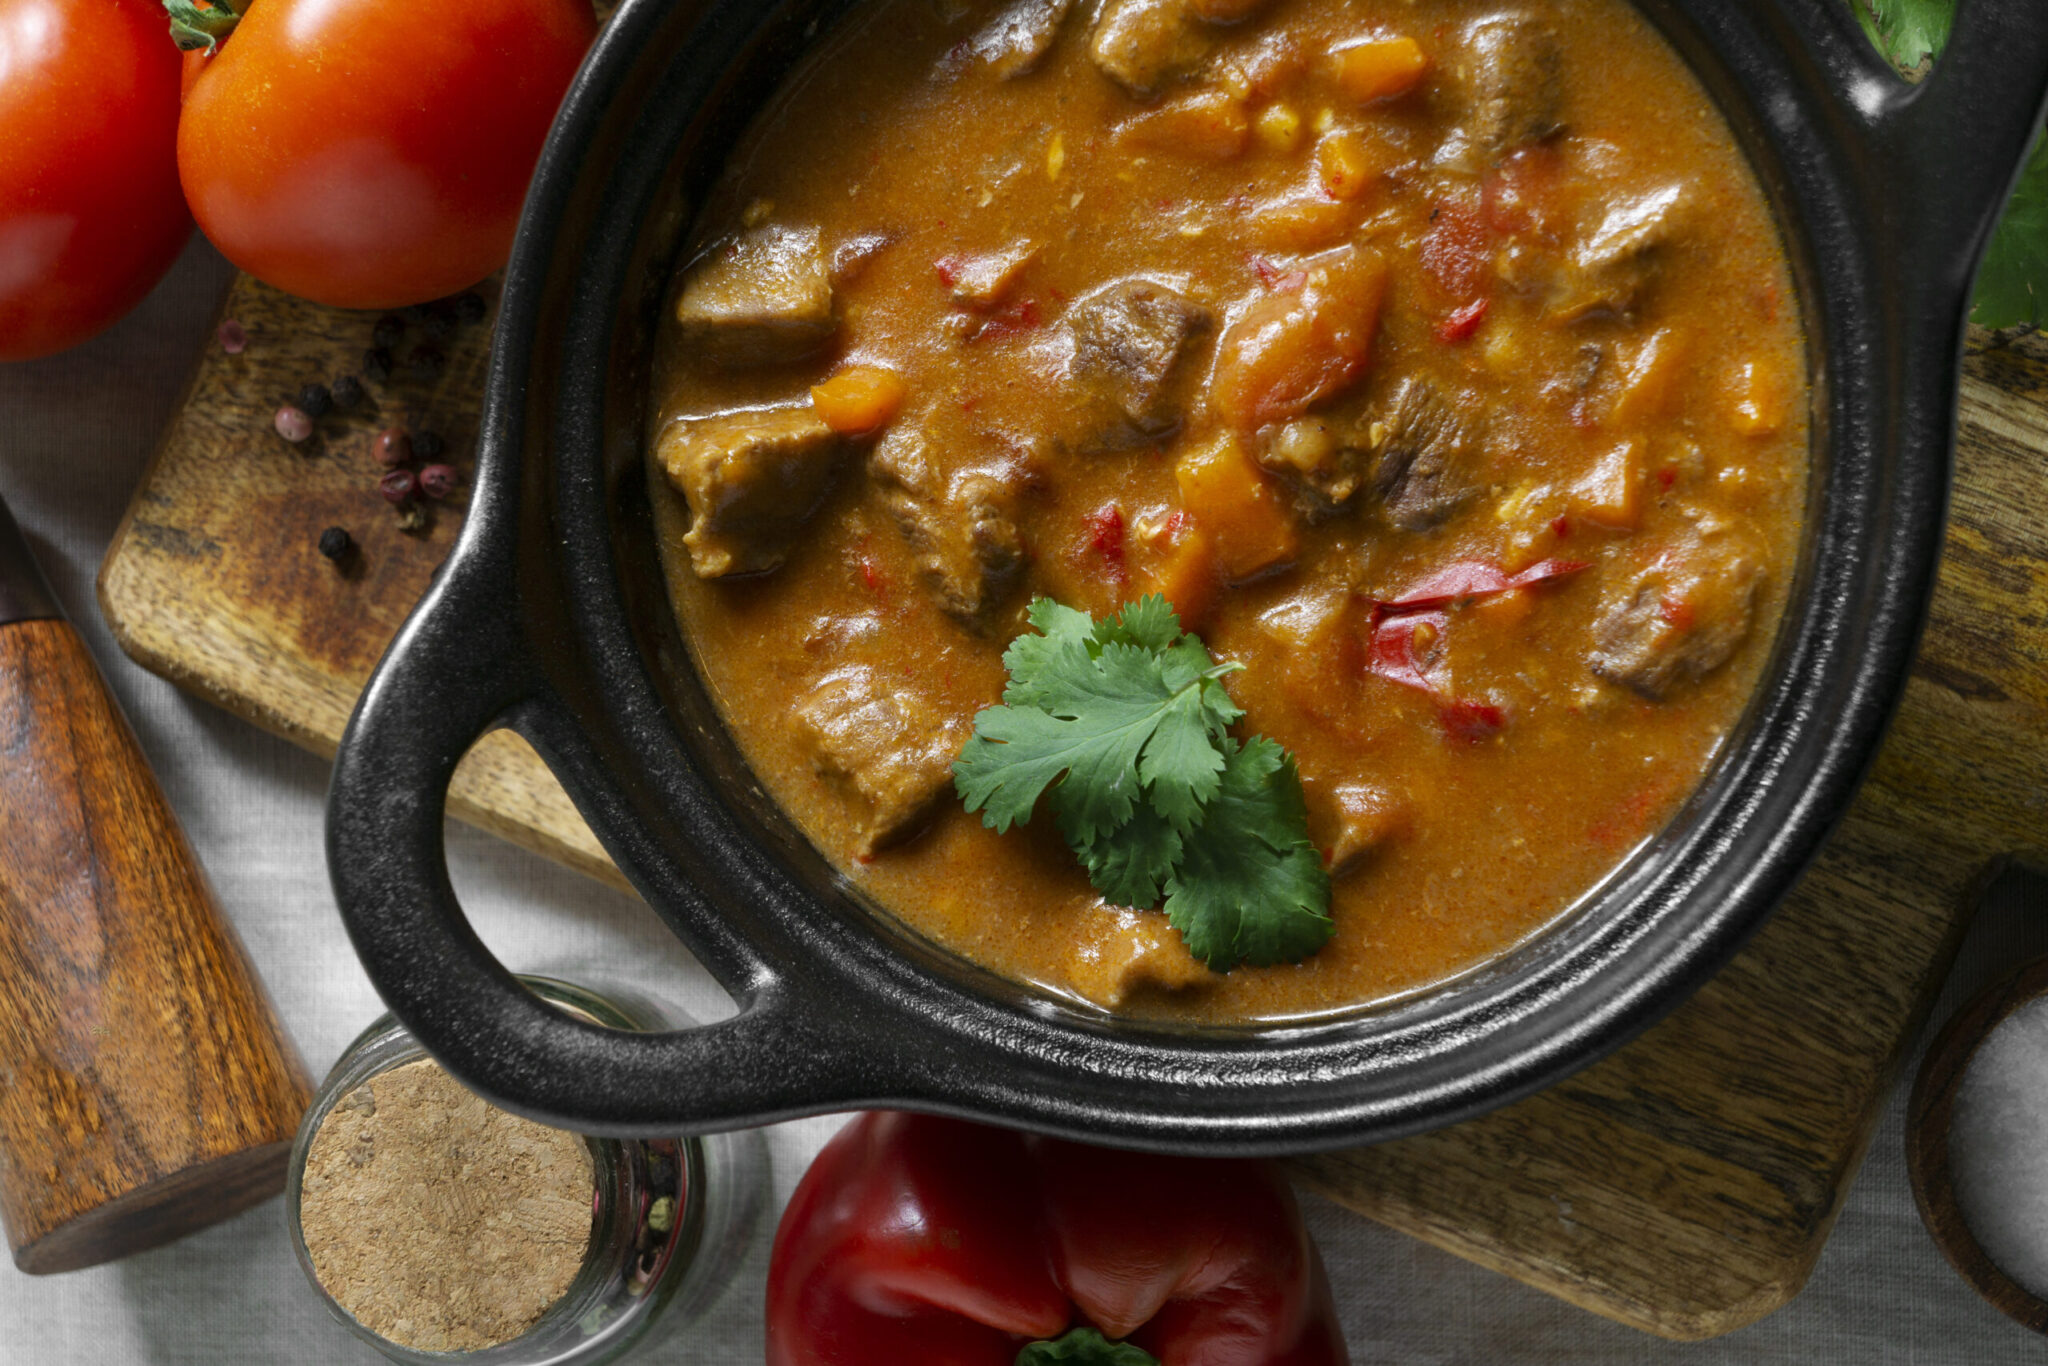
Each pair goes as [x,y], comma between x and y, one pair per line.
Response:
[916,1240]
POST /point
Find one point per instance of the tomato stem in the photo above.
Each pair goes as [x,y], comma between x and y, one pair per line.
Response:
[193,28]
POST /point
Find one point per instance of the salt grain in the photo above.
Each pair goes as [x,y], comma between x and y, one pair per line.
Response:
[1998,1146]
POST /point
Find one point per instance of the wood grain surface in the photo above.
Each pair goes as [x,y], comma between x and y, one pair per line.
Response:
[1684,1186]
[146,1088]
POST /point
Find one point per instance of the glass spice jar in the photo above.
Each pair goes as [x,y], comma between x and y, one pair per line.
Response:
[670,1218]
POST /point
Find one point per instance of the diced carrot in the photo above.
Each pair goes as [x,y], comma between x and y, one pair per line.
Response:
[858,399]
[1185,574]
[1294,225]
[1211,126]
[1610,494]
[1292,350]
[1652,378]
[1343,165]
[1378,68]
[1231,499]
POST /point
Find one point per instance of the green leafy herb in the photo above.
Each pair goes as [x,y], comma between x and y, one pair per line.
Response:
[1084,1347]
[1907,32]
[1121,726]
[2012,284]
[1251,887]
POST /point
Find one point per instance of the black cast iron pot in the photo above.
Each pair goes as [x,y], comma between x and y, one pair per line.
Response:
[551,618]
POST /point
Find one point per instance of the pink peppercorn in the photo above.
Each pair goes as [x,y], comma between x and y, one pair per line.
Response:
[292,423]
[232,337]
[393,448]
[437,481]
[398,486]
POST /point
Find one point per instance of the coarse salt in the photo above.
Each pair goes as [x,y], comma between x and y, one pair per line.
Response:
[1998,1146]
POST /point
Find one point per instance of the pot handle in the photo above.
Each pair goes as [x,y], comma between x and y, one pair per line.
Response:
[1950,147]
[437,690]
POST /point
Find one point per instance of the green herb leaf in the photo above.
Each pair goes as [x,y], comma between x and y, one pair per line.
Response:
[1907,32]
[1106,719]
[1121,726]
[1084,1347]
[1250,886]
[1131,864]
[2012,284]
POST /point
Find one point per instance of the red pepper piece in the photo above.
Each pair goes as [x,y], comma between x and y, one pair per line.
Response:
[1461,323]
[916,1238]
[1397,655]
[1465,719]
[1472,579]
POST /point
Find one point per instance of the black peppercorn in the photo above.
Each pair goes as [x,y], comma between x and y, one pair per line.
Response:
[469,308]
[428,445]
[336,542]
[440,320]
[376,365]
[413,314]
[389,332]
[398,486]
[425,362]
[315,400]
[347,391]
[437,481]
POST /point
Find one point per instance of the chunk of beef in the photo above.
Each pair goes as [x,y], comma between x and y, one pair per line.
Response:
[751,479]
[761,299]
[1511,69]
[1427,444]
[1321,457]
[1680,619]
[984,280]
[1350,821]
[962,528]
[888,746]
[1143,44]
[1129,340]
[1016,41]
[1609,272]
[1128,953]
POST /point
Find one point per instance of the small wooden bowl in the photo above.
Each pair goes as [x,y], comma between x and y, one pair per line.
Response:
[1928,1113]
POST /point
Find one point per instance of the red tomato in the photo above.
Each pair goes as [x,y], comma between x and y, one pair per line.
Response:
[374,153]
[90,213]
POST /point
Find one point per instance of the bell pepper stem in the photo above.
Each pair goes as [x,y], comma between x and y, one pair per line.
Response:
[1083,1347]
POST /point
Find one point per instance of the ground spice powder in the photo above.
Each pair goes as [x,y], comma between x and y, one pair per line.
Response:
[440,1222]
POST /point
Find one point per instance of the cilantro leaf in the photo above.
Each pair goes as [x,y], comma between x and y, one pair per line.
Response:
[1250,886]
[1122,727]
[1907,32]
[2012,284]
[1130,865]
[1108,720]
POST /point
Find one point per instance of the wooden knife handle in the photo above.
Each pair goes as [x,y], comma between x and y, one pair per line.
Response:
[146,1088]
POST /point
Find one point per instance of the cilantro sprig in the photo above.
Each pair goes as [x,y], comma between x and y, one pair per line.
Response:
[1121,726]
[2012,285]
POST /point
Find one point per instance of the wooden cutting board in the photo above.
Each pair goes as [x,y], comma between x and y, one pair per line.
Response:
[1684,1186]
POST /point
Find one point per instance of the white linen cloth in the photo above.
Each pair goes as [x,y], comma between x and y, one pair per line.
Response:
[78,429]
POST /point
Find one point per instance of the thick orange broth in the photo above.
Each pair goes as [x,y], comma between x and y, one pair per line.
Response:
[1634,405]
